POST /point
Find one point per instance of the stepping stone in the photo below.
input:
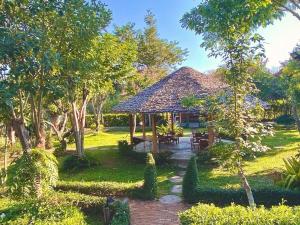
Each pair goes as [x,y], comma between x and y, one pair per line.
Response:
[177,189]
[181,173]
[176,179]
[170,199]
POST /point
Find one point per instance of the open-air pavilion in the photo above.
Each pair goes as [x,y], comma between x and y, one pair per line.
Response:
[166,96]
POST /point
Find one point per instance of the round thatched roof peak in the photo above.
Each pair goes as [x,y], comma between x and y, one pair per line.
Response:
[166,94]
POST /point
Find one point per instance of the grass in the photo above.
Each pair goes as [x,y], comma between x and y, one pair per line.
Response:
[113,167]
[283,144]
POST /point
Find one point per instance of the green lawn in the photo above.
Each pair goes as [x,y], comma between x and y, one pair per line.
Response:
[259,171]
[113,167]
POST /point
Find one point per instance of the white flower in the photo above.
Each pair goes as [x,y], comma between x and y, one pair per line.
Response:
[2,215]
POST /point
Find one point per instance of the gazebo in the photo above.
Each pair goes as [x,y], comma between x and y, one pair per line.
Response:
[165,96]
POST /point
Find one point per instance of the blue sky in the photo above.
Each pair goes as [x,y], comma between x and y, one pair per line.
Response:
[280,37]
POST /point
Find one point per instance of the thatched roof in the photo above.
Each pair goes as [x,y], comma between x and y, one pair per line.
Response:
[166,94]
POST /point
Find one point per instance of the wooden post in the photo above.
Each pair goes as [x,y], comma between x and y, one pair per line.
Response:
[131,128]
[154,136]
[143,126]
[172,122]
[210,130]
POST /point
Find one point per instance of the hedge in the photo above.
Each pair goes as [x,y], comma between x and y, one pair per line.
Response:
[203,214]
[54,208]
[116,189]
[111,120]
[264,196]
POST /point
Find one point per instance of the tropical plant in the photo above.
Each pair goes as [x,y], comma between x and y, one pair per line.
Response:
[32,174]
[292,173]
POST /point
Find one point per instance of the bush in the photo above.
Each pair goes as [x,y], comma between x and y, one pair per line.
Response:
[235,215]
[150,179]
[40,212]
[99,188]
[161,158]
[73,163]
[264,196]
[121,214]
[292,173]
[190,181]
[285,120]
[32,174]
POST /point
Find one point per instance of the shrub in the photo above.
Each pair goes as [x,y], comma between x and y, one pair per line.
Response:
[32,174]
[73,163]
[41,212]
[203,214]
[99,188]
[285,120]
[121,214]
[264,196]
[292,173]
[190,181]
[150,179]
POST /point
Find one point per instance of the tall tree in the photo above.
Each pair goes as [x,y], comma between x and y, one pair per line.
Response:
[291,74]
[157,56]
[227,32]
[75,30]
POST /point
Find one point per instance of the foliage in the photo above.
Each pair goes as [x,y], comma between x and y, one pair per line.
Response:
[292,173]
[98,188]
[285,120]
[32,173]
[72,163]
[157,55]
[167,128]
[190,180]
[227,29]
[41,212]
[49,141]
[121,214]
[209,214]
[150,179]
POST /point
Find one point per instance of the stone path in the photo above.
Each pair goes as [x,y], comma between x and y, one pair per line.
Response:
[162,212]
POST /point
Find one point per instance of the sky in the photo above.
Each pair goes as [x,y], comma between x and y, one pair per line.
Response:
[280,38]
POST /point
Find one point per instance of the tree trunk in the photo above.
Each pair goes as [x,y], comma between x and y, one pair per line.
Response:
[11,135]
[39,129]
[22,134]
[79,123]
[296,115]
[247,187]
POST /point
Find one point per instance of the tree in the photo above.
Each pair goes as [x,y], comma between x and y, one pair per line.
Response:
[156,56]
[115,56]
[291,74]
[74,34]
[227,32]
